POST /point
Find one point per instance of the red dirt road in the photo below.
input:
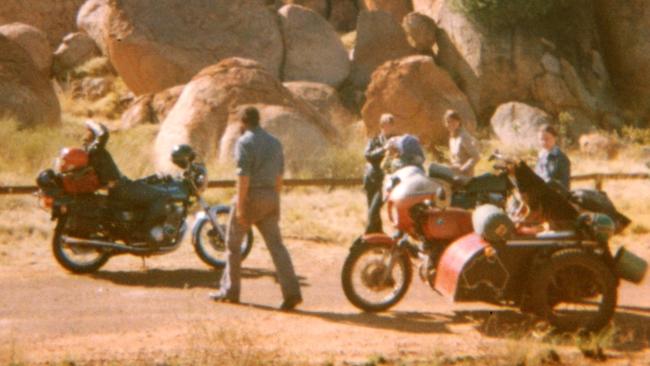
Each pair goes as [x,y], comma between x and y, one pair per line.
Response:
[126,312]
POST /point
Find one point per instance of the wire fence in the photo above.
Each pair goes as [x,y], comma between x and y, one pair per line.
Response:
[597,178]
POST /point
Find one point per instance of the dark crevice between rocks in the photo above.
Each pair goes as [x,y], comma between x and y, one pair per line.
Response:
[283,60]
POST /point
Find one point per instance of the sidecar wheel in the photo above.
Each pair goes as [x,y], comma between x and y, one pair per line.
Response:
[210,246]
[363,274]
[74,259]
[574,290]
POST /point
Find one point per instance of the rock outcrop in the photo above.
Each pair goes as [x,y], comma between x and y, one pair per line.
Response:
[150,108]
[313,49]
[379,39]
[32,40]
[92,18]
[211,101]
[396,8]
[25,93]
[55,18]
[326,101]
[558,69]
[418,93]
[342,14]
[517,124]
[420,31]
[624,27]
[599,146]
[75,49]
[157,44]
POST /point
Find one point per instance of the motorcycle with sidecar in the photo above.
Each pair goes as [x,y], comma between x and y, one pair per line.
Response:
[567,275]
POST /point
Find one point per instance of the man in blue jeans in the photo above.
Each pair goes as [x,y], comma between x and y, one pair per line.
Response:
[260,165]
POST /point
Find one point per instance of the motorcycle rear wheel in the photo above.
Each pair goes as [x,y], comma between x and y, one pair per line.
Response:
[210,246]
[573,291]
[75,259]
[361,280]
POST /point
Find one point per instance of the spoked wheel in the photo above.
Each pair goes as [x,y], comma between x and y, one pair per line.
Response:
[575,291]
[75,258]
[369,283]
[210,244]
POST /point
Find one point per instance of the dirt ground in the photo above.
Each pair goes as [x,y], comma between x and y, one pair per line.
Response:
[129,312]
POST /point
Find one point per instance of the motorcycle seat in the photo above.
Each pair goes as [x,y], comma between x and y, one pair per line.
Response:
[444,173]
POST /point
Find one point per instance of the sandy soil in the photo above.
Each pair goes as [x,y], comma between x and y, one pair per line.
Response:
[130,312]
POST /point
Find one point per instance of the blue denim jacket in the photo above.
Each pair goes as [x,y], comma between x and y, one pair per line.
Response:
[554,165]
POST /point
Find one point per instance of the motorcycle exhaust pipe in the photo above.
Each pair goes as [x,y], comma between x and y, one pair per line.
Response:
[101,244]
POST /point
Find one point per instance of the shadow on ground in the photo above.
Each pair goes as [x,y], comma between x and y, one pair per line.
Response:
[179,278]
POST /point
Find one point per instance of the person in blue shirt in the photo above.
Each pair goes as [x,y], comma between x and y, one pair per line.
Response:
[553,166]
[260,166]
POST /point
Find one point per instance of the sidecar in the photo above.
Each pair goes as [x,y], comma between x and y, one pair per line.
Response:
[567,276]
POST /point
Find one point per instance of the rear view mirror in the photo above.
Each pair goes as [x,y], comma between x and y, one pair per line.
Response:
[441,194]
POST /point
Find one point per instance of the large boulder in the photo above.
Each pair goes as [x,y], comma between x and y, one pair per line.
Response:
[418,93]
[517,124]
[25,93]
[420,31]
[56,17]
[210,102]
[75,49]
[302,29]
[624,27]
[342,14]
[156,44]
[379,39]
[32,40]
[92,19]
[557,67]
[326,101]
[321,7]
[396,8]
[303,143]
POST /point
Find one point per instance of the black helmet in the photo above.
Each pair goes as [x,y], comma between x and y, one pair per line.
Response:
[183,155]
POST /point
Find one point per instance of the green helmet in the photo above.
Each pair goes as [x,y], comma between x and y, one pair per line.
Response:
[603,226]
[183,155]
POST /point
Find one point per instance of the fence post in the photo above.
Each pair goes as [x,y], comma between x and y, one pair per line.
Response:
[598,182]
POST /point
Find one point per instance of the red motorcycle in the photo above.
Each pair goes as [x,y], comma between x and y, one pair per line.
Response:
[567,276]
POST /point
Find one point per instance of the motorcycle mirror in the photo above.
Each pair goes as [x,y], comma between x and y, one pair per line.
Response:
[441,195]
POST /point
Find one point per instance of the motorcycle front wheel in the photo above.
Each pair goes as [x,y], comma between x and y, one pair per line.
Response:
[367,281]
[74,258]
[210,245]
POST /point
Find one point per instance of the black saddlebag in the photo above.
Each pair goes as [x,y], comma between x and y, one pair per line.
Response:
[85,215]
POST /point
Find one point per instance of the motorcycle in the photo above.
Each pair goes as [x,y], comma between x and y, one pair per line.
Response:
[567,276]
[91,228]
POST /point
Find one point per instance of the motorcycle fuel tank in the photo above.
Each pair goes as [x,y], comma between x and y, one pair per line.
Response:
[447,224]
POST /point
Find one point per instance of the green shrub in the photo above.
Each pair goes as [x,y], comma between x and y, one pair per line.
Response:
[507,13]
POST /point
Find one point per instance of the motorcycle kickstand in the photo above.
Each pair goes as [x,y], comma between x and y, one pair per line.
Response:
[144,264]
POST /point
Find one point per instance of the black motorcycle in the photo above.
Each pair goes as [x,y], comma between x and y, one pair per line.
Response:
[91,228]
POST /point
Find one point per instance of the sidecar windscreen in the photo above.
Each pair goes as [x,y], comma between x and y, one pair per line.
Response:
[553,206]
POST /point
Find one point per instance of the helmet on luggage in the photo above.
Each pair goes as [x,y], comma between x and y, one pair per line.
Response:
[183,155]
[72,158]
